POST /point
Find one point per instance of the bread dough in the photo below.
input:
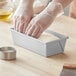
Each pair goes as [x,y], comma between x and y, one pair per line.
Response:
[46,37]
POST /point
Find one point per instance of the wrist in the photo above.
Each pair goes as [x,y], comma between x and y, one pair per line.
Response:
[27,2]
[54,8]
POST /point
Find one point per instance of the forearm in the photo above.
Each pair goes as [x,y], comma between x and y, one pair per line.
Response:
[27,2]
[56,6]
[63,2]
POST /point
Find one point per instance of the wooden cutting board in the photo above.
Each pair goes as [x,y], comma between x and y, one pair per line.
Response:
[31,64]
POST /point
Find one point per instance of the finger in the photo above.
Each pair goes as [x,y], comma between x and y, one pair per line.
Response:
[14,22]
[25,25]
[29,26]
[35,32]
[39,34]
[21,26]
[17,24]
[30,31]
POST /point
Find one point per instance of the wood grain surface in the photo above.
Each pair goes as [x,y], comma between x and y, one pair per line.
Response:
[31,64]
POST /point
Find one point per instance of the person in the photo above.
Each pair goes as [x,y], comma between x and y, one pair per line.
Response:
[25,22]
[72,12]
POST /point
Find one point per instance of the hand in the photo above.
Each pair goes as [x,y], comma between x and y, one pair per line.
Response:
[42,21]
[38,24]
[22,17]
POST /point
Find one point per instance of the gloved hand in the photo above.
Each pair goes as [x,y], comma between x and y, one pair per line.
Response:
[42,21]
[22,17]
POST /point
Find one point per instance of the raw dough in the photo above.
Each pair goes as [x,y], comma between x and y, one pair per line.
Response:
[45,37]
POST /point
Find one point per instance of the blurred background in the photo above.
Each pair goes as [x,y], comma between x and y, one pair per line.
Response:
[8,7]
[38,3]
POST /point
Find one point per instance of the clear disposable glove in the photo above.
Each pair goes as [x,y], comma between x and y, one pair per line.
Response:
[22,17]
[43,20]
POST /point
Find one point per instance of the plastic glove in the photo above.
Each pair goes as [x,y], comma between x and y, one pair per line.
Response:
[42,21]
[22,17]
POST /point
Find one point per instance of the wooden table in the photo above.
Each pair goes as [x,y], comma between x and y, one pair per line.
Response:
[31,64]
